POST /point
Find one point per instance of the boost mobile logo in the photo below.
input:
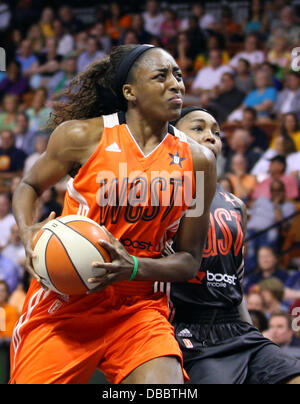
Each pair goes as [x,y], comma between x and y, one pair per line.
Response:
[220,280]
[2,60]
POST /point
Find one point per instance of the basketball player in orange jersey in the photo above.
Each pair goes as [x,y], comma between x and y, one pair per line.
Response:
[123,329]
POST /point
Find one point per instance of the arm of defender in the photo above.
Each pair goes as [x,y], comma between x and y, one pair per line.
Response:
[244,313]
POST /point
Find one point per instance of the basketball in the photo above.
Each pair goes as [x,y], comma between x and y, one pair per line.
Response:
[65,249]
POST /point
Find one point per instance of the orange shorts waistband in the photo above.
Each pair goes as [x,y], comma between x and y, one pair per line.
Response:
[133,288]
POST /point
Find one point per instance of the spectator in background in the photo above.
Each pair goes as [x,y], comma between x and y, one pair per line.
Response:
[280,55]
[14,83]
[210,77]
[11,159]
[288,100]
[65,41]
[290,127]
[255,302]
[260,140]
[185,58]
[24,137]
[11,313]
[272,72]
[37,38]
[200,44]
[8,114]
[288,26]
[9,272]
[38,113]
[226,99]
[277,170]
[153,18]
[272,12]
[281,332]
[243,79]
[256,22]
[169,27]
[263,97]
[69,21]
[62,78]
[48,203]
[263,214]
[243,183]
[99,32]
[284,146]
[92,54]
[240,142]
[46,22]
[272,291]
[81,41]
[117,22]
[266,212]
[47,65]
[26,57]
[293,282]
[251,53]
[205,20]
[15,250]
[231,30]
[129,37]
[138,25]
[40,145]
[7,220]
[293,165]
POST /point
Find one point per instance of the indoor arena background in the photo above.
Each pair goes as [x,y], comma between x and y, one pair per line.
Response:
[240,60]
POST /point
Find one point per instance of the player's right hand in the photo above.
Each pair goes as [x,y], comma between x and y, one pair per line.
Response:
[27,235]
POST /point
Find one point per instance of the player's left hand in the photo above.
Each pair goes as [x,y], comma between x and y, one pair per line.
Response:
[119,269]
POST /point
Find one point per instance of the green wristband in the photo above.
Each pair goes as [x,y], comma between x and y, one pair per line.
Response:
[135,268]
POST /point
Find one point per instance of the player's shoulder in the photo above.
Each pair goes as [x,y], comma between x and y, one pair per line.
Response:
[203,158]
[79,132]
[75,140]
[238,201]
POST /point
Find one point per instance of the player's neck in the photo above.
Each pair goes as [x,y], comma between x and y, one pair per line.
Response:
[144,129]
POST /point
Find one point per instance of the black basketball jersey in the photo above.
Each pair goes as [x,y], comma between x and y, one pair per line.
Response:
[218,283]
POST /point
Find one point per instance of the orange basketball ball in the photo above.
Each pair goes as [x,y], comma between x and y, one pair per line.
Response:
[65,249]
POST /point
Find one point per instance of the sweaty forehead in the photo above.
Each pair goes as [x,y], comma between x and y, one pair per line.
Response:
[156,59]
[200,116]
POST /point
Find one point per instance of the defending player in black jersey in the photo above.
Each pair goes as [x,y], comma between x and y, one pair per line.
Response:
[218,346]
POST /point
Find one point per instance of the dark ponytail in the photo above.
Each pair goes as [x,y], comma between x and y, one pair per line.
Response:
[93,92]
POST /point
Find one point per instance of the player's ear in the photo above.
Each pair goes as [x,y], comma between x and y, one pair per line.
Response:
[129,93]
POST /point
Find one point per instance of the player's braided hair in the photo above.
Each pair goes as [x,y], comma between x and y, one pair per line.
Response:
[92,93]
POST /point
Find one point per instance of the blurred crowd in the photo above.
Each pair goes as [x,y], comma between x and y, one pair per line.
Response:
[244,71]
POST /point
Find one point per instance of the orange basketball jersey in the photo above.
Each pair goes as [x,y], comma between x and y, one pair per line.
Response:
[139,198]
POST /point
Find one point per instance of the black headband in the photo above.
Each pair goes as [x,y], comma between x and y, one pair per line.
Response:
[126,64]
[186,111]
